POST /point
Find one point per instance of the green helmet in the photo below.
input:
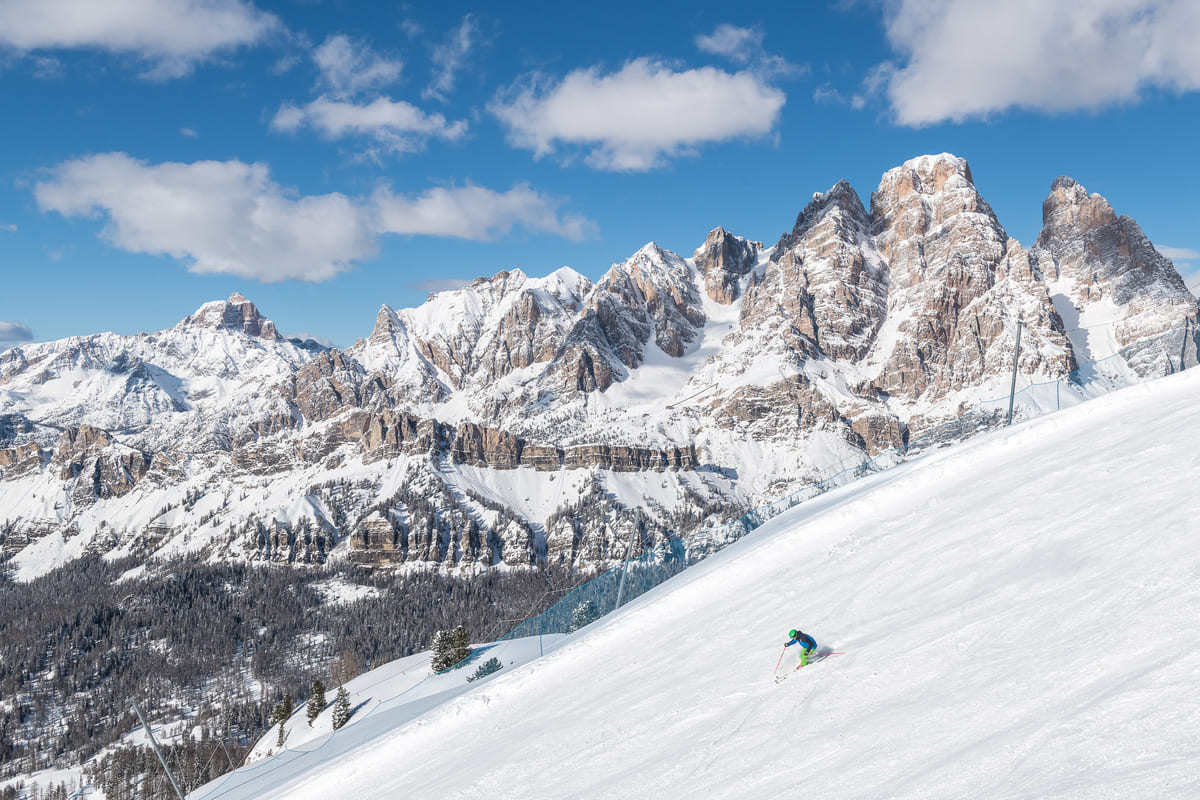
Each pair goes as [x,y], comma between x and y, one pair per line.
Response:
[791,634]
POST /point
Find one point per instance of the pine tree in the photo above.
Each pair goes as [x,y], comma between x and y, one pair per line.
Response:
[341,708]
[584,614]
[460,645]
[281,714]
[486,668]
[316,701]
[284,710]
[441,657]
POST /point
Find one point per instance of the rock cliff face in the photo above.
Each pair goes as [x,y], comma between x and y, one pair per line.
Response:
[1096,256]
[520,420]
[825,289]
[723,260]
[958,285]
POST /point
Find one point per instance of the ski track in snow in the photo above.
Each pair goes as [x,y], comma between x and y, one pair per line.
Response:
[1018,615]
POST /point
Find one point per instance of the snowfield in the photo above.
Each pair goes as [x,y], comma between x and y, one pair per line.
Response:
[1019,616]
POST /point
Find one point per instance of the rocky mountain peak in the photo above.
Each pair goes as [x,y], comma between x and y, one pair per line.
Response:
[840,199]
[1069,207]
[236,313]
[1098,255]
[387,322]
[723,260]
[927,214]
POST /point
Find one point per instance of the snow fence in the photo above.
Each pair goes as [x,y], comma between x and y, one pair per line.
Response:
[1167,353]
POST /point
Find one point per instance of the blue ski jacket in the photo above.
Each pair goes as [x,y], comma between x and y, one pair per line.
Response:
[803,638]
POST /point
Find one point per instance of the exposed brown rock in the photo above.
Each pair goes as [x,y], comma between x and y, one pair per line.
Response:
[236,313]
[20,460]
[723,259]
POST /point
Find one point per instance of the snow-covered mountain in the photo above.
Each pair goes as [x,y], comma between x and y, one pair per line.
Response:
[475,429]
[1012,617]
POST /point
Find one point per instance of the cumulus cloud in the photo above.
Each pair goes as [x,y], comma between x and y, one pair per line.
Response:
[966,59]
[639,117]
[172,35]
[221,216]
[349,67]
[473,212]
[398,125]
[230,217]
[449,57]
[15,332]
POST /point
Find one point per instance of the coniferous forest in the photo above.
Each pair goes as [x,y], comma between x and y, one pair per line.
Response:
[211,650]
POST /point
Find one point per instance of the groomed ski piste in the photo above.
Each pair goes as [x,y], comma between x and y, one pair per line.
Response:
[1020,616]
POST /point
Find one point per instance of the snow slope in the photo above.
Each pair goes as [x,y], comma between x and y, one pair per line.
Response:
[1019,617]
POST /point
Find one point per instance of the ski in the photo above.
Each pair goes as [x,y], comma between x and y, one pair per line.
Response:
[818,657]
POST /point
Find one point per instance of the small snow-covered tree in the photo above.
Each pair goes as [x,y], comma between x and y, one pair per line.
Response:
[486,668]
[584,614]
[460,645]
[284,710]
[316,701]
[441,658]
[341,708]
[281,714]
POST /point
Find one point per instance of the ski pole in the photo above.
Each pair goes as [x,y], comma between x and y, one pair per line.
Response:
[780,661]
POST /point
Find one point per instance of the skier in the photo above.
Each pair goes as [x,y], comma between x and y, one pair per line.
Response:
[808,645]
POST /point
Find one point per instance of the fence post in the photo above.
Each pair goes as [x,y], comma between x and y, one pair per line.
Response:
[1012,392]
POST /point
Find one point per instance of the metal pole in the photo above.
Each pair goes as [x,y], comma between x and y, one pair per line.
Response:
[1012,392]
[625,569]
[1183,347]
[157,752]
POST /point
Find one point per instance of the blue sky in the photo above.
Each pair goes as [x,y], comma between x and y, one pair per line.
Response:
[326,156]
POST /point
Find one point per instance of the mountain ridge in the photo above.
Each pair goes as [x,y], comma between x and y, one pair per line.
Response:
[742,369]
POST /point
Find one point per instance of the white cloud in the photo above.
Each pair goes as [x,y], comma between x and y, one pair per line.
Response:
[349,67]
[435,285]
[173,35]
[11,227]
[304,336]
[15,332]
[188,132]
[639,117]
[971,58]
[745,46]
[398,125]
[230,217]
[48,68]
[448,59]
[223,216]
[736,44]
[1178,253]
[473,212]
